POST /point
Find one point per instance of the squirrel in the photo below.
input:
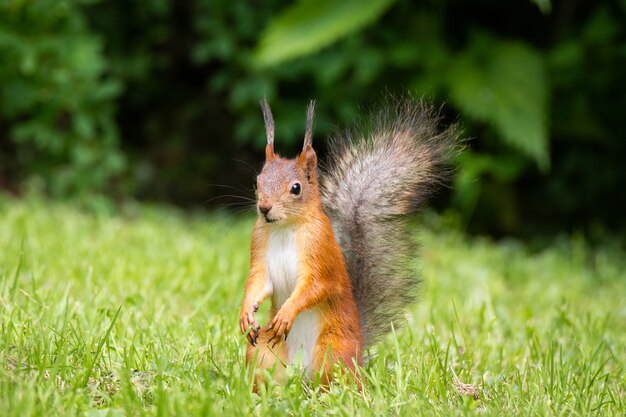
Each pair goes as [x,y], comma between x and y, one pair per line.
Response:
[332,249]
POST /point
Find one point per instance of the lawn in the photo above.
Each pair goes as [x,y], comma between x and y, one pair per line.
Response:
[136,313]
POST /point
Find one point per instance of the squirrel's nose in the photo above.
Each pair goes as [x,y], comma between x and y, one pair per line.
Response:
[265,209]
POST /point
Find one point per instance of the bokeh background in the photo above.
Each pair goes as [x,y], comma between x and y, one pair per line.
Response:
[157,100]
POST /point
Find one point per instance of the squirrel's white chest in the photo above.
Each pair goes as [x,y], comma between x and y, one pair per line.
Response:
[282,263]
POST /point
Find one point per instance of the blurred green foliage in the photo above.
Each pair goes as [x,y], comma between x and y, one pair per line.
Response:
[537,86]
[309,25]
[56,103]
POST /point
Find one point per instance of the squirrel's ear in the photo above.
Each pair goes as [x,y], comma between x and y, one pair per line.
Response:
[269,129]
[269,153]
[308,161]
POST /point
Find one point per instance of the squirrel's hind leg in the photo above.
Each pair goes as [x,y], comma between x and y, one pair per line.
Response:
[266,356]
[340,356]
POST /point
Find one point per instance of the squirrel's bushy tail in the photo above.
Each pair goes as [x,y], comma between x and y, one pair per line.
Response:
[377,175]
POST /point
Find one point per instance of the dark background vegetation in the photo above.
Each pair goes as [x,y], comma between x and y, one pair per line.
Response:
[158,99]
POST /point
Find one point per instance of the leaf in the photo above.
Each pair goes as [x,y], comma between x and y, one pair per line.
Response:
[545,6]
[310,25]
[504,84]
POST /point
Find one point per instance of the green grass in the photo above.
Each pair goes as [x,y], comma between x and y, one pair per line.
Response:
[136,313]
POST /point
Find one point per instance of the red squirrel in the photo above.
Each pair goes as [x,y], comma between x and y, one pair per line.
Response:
[332,249]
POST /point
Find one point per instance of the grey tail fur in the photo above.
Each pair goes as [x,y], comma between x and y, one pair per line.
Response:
[376,177]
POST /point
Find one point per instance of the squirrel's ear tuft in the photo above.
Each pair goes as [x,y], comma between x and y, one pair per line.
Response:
[308,134]
[269,129]
[308,161]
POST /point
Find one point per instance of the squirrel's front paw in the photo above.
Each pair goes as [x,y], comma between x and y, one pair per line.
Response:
[280,326]
[247,321]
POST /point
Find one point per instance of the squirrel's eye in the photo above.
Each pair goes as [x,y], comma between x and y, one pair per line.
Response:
[295,189]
